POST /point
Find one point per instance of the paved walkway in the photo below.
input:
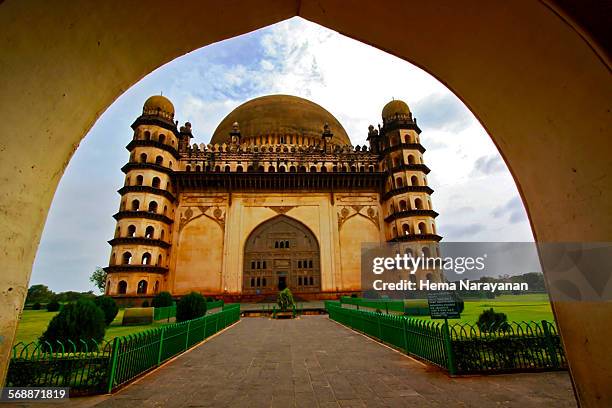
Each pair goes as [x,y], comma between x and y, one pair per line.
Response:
[314,362]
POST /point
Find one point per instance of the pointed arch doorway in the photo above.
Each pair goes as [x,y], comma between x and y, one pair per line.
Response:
[281,252]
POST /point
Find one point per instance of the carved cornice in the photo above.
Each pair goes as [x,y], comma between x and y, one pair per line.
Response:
[411,167]
[156,121]
[146,166]
[404,146]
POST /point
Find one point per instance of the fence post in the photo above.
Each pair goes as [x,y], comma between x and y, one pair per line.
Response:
[205,320]
[552,351]
[161,345]
[379,326]
[450,356]
[187,334]
[113,364]
[405,330]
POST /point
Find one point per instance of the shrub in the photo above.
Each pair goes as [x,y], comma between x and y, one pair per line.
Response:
[108,306]
[53,306]
[210,299]
[285,299]
[36,306]
[81,320]
[354,295]
[145,303]
[190,307]
[490,320]
[162,299]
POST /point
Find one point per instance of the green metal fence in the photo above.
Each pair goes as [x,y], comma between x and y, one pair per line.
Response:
[384,305]
[81,365]
[140,352]
[90,368]
[462,348]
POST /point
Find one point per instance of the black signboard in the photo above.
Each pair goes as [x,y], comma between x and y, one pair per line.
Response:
[443,305]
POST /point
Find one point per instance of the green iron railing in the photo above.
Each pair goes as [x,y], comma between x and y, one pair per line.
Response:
[90,368]
[82,366]
[412,307]
[140,352]
[462,348]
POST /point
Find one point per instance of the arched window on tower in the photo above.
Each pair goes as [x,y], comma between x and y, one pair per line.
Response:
[323,169]
[159,160]
[227,169]
[147,135]
[142,287]
[188,168]
[422,228]
[107,288]
[313,169]
[414,180]
[271,169]
[153,207]
[399,183]
[426,252]
[139,180]
[149,232]
[159,260]
[411,159]
[131,232]
[112,260]
[281,169]
[156,287]
[162,138]
[292,169]
[143,157]
[286,244]
[146,258]
[165,209]
[198,168]
[405,229]
[127,181]
[395,162]
[135,205]
[126,258]
[122,287]
[156,182]
[402,205]
[418,203]
[161,235]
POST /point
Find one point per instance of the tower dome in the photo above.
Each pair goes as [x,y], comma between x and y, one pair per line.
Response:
[158,105]
[286,116]
[394,108]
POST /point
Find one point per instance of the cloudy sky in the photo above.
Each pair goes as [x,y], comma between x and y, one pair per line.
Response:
[474,191]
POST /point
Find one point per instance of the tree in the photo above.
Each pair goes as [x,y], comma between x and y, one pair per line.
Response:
[98,278]
[491,321]
[53,306]
[162,299]
[285,299]
[39,294]
[190,307]
[108,306]
[82,320]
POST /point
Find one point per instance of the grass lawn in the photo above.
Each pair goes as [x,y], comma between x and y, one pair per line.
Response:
[34,322]
[517,307]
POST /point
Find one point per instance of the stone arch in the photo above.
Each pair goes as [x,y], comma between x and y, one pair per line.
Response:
[284,245]
[568,32]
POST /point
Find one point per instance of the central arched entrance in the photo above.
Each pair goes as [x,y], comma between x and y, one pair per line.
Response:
[281,253]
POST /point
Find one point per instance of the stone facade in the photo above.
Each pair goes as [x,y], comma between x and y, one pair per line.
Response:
[284,201]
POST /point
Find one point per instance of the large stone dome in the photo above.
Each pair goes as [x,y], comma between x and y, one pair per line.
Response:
[280,115]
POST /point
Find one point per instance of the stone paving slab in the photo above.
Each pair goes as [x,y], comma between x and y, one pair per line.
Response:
[315,362]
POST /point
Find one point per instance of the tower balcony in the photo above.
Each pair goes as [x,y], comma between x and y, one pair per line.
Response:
[410,213]
[404,146]
[142,214]
[153,143]
[139,241]
[411,167]
[147,189]
[146,166]
[407,189]
[416,237]
[136,268]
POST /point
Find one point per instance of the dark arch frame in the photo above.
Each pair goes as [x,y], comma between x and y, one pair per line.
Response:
[281,263]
